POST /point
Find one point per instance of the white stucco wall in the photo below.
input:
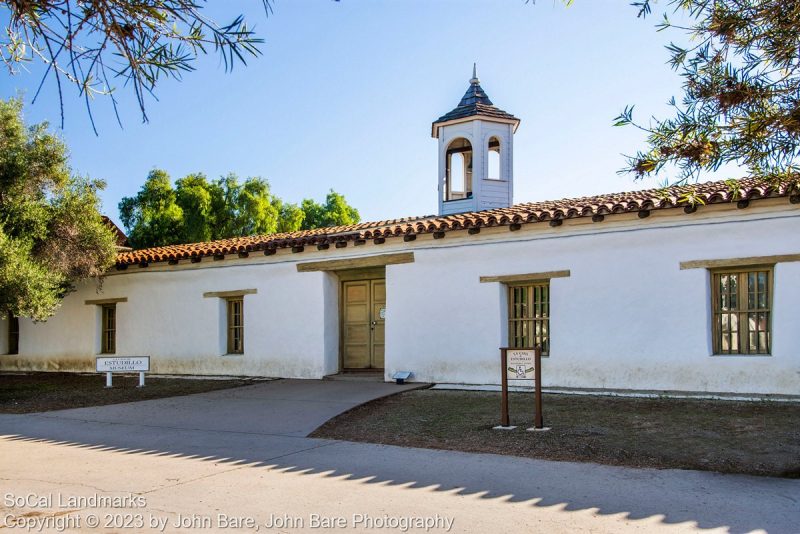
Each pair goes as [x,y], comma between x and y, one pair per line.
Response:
[627,317]
[168,318]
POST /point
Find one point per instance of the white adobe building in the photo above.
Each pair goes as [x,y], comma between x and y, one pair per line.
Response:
[634,291]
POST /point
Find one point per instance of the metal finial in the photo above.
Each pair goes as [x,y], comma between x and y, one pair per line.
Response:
[475,79]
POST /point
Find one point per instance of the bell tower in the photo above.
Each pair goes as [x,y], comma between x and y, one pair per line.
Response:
[476,154]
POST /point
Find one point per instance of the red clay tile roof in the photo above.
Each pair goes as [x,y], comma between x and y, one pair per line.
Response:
[532,212]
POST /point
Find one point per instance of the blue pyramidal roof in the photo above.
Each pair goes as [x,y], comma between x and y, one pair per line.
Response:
[475,95]
[475,102]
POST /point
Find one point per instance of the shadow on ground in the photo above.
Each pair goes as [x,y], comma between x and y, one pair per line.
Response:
[706,500]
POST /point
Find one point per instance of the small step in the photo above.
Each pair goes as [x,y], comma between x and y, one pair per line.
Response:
[357,376]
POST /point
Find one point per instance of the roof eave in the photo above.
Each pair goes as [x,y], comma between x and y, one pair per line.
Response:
[436,125]
[598,207]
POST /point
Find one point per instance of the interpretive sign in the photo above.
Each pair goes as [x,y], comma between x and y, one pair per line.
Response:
[122,364]
[521,364]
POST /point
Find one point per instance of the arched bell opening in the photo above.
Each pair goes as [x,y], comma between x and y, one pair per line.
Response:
[493,159]
[458,174]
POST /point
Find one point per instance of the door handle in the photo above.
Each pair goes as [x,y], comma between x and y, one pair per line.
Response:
[372,325]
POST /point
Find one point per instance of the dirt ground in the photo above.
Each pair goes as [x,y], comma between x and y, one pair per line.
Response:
[759,438]
[41,392]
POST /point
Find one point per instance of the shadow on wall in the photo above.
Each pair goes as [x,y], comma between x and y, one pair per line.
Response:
[709,500]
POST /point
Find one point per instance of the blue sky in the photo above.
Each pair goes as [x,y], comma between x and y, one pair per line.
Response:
[345,92]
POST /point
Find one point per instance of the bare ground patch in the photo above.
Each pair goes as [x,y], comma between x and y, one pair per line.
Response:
[41,392]
[759,438]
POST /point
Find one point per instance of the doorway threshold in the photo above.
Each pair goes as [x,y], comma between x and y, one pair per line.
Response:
[358,375]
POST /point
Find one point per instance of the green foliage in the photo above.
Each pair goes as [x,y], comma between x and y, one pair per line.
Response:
[198,210]
[89,44]
[242,209]
[291,216]
[335,212]
[153,216]
[741,85]
[194,197]
[27,286]
[51,231]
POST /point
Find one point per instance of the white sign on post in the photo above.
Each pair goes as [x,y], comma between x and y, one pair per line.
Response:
[122,364]
[520,364]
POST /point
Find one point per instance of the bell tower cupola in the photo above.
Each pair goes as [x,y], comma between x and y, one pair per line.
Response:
[476,154]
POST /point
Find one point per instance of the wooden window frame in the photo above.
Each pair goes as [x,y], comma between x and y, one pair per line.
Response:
[108,328]
[742,311]
[13,334]
[538,322]
[235,345]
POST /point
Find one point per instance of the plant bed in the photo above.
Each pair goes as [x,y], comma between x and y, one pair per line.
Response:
[42,392]
[759,438]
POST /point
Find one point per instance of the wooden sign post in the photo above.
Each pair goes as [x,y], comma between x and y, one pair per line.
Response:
[521,364]
[504,420]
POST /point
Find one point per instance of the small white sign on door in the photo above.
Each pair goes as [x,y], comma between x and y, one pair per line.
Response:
[382,313]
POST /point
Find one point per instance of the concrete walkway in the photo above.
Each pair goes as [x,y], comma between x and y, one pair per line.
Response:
[243,453]
[279,407]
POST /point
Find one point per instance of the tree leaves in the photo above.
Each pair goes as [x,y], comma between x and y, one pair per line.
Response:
[625,118]
[741,83]
[51,232]
[153,216]
[198,210]
[335,212]
[28,288]
[88,44]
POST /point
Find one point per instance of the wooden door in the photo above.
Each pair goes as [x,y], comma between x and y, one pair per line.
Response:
[378,324]
[363,324]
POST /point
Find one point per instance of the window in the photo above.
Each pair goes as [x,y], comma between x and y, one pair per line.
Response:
[236,326]
[458,180]
[529,316]
[742,300]
[13,334]
[493,159]
[108,334]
